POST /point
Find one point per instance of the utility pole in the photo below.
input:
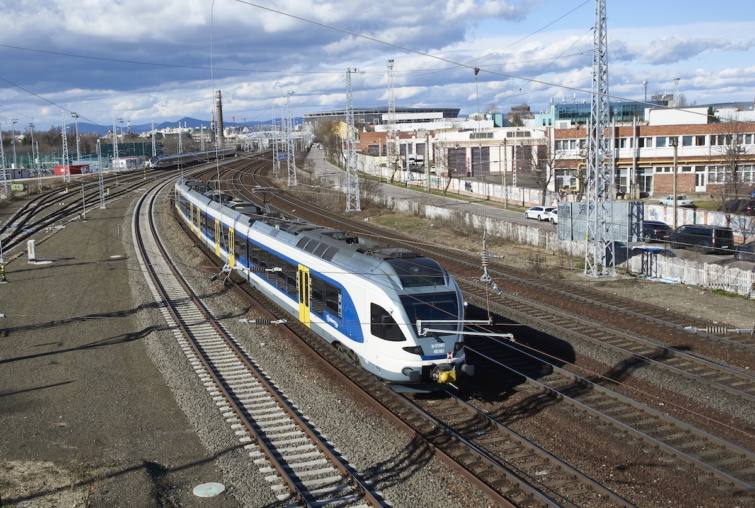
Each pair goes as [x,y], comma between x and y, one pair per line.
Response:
[675,144]
[115,146]
[391,148]
[33,159]
[2,164]
[102,185]
[154,143]
[352,174]
[276,159]
[600,259]
[76,130]
[67,170]
[290,160]
[13,139]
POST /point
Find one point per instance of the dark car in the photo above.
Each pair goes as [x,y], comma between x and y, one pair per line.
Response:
[739,206]
[706,239]
[745,252]
[655,231]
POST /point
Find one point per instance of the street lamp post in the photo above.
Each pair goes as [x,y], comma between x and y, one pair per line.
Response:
[675,144]
[33,160]
[76,128]
[13,139]
[2,164]
[502,162]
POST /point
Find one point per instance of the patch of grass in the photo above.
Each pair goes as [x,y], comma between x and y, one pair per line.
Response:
[726,293]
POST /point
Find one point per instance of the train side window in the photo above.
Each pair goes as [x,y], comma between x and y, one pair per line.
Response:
[254,252]
[318,295]
[282,275]
[240,248]
[383,326]
[333,299]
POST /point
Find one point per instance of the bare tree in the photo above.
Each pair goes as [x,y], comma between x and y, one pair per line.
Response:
[543,161]
[326,133]
[729,180]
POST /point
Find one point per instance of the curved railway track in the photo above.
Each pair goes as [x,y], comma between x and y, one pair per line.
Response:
[618,334]
[53,208]
[308,470]
[732,465]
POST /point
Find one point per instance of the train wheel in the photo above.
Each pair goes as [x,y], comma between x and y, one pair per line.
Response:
[348,354]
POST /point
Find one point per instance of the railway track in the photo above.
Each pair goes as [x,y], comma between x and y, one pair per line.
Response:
[732,465]
[53,208]
[305,468]
[618,335]
[642,425]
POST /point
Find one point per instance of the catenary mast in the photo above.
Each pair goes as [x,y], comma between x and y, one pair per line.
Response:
[352,175]
[290,160]
[391,144]
[599,254]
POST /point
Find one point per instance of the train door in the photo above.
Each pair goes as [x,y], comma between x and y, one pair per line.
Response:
[304,285]
[218,232]
[231,248]
[196,219]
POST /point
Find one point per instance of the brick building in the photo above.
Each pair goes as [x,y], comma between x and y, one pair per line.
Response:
[708,156]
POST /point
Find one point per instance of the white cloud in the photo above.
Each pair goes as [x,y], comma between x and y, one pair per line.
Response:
[258,55]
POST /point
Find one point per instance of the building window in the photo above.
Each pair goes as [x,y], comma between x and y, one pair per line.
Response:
[660,141]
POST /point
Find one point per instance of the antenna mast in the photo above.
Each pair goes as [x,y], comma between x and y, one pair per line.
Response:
[599,255]
[352,175]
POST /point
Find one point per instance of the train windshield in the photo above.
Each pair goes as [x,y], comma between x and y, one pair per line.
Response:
[432,306]
[418,272]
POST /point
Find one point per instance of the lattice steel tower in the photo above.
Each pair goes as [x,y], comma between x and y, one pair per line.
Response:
[290,158]
[352,175]
[66,162]
[391,140]
[599,254]
[116,163]
[154,143]
[276,147]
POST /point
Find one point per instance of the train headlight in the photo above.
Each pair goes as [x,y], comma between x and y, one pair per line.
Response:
[415,350]
[458,346]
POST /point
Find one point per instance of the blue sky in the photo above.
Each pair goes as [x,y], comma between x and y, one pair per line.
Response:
[141,60]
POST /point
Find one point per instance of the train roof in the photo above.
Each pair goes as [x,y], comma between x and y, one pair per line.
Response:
[354,253]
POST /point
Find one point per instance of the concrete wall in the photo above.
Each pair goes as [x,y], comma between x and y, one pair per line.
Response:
[670,269]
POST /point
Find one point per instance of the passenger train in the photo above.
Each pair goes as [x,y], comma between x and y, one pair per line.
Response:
[189,159]
[397,313]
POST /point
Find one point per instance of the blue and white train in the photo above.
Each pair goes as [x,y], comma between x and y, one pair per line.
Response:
[365,298]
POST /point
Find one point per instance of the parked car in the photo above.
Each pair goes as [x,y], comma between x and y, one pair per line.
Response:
[538,212]
[706,239]
[745,252]
[738,206]
[681,200]
[655,231]
[552,216]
